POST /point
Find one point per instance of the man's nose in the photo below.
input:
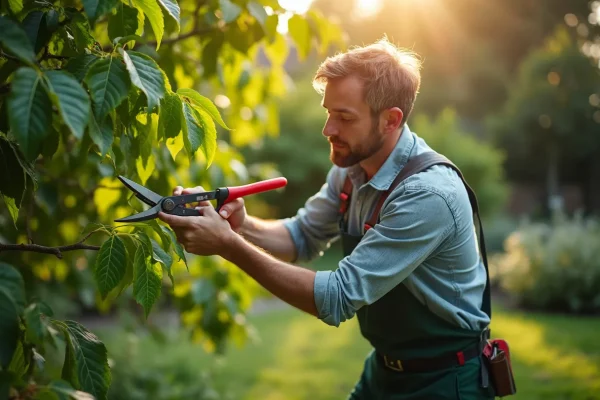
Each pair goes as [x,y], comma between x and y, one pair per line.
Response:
[329,129]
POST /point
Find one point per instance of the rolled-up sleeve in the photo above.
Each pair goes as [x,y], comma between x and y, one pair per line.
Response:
[413,225]
[316,224]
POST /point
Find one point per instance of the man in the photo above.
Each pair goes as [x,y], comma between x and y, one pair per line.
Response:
[411,270]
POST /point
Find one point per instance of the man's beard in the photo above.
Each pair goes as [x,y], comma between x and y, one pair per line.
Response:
[349,156]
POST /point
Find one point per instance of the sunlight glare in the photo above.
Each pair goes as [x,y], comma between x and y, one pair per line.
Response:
[292,7]
[296,6]
[367,8]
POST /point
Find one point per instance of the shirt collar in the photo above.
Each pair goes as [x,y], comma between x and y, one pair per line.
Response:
[397,159]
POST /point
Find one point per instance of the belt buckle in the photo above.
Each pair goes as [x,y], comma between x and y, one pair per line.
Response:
[396,365]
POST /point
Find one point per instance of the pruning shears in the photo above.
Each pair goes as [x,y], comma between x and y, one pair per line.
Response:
[175,205]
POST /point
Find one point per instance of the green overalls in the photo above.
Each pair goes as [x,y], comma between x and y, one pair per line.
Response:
[417,355]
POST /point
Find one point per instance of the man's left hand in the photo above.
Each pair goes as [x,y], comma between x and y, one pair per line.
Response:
[205,235]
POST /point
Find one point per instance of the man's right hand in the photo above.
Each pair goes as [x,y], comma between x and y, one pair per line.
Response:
[234,212]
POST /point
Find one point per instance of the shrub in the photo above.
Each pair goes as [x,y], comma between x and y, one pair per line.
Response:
[553,266]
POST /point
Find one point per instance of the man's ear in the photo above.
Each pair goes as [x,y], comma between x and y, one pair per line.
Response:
[392,118]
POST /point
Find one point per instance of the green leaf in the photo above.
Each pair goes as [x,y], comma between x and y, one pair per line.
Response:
[172,9]
[12,207]
[108,82]
[176,245]
[277,51]
[12,281]
[15,41]
[169,119]
[31,24]
[209,144]
[299,30]
[243,36]
[12,175]
[15,6]
[86,360]
[230,10]
[258,12]
[110,265]
[154,14]
[204,103]
[36,329]
[82,34]
[147,280]
[52,20]
[271,27]
[61,390]
[123,23]
[101,133]
[210,54]
[161,256]
[164,237]
[73,101]
[131,246]
[18,364]
[146,75]
[193,134]
[29,111]
[80,65]
[9,327]
[94,9]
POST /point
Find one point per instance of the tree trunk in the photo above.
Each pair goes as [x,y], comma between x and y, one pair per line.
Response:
[554,200]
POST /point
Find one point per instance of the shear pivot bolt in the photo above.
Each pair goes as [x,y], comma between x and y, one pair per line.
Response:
[168,205]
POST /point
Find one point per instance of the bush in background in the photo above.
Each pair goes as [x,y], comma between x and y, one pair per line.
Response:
[553,266]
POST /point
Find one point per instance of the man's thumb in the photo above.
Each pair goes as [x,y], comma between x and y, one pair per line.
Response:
[225,212]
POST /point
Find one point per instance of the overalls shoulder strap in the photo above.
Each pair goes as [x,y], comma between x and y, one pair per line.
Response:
[415,165]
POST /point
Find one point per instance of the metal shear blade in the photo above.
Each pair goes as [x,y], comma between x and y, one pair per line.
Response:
[145,195]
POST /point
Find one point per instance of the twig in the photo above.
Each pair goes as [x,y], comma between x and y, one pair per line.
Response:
[28,218]
[193,32]
[8,56]
[54,57]
[57,251]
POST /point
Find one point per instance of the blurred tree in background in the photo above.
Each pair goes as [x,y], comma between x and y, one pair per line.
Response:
[549,125]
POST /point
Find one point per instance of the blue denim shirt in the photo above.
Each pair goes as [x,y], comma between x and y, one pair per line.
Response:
[425,239]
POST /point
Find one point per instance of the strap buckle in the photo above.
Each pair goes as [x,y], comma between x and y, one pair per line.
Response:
[396,365]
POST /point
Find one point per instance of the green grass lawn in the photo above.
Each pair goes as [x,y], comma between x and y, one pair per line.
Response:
[299,357]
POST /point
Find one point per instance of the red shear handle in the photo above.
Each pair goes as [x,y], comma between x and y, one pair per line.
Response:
[253,188]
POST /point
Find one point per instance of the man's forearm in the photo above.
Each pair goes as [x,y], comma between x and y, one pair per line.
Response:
[292,284]
[271,236]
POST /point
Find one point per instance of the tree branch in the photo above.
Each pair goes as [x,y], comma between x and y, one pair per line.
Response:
[10,57]
[57,251]
[54,57]
[192,33]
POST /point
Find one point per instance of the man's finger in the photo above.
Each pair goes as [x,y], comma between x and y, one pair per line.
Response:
[177,191]
[173,220]
[197,189]
[229,208]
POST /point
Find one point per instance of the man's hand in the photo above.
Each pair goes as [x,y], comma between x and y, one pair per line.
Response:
[208,234]
[235,213]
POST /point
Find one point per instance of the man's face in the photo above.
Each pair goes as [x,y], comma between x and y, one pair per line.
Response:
[352,132]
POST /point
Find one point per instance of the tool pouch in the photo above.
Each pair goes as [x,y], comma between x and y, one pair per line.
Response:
[500,368]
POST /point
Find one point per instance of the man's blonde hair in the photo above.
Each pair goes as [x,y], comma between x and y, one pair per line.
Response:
[391,75]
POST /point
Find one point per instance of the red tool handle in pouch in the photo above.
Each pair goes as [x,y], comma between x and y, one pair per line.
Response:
[498,354]
[253,188]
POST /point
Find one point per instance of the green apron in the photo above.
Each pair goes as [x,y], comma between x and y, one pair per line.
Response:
[400,327]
